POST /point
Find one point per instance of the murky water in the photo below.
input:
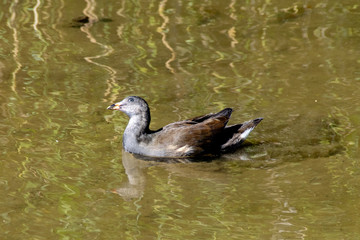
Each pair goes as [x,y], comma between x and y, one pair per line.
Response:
[63,172]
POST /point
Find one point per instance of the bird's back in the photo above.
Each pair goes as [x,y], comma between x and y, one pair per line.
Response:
[193,137]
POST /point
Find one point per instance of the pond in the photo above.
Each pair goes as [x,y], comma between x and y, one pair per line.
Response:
[64,174]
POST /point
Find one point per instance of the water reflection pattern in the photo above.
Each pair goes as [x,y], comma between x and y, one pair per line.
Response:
[63,175]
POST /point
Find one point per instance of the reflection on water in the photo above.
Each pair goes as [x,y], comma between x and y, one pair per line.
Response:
[63,173]
[134,187]
[93,18]
[136,166]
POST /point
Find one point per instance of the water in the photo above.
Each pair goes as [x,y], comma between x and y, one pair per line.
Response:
[63,172]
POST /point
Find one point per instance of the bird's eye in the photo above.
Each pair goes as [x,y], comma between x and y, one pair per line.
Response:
[131,100]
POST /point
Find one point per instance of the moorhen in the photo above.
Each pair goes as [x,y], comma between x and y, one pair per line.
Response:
[201,136]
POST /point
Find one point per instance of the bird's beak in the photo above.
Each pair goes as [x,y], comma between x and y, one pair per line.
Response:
[115,106]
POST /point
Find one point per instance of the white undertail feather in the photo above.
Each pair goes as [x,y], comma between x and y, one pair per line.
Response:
[246,133]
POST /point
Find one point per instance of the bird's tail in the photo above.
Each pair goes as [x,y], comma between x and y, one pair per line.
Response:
[236,134]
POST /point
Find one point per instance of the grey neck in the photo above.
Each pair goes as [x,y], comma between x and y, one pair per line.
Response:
[136,130]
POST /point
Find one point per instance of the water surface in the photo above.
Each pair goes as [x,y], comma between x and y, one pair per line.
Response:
[63,172]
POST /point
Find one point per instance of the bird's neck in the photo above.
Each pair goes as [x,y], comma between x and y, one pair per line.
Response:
[138,126]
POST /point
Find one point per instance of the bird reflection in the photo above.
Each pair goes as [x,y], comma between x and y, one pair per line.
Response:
[135,186]
[136,167]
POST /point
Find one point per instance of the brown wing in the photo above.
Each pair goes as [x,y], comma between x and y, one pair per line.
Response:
[194,136]
[225,112]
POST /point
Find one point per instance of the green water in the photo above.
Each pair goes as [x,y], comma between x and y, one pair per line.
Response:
[64,175]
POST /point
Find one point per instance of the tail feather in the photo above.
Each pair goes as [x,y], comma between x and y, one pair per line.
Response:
[236,134]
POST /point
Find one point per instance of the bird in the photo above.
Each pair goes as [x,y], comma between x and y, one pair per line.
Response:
[203,136]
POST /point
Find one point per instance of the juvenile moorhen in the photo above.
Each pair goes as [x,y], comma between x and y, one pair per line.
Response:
[206,135]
